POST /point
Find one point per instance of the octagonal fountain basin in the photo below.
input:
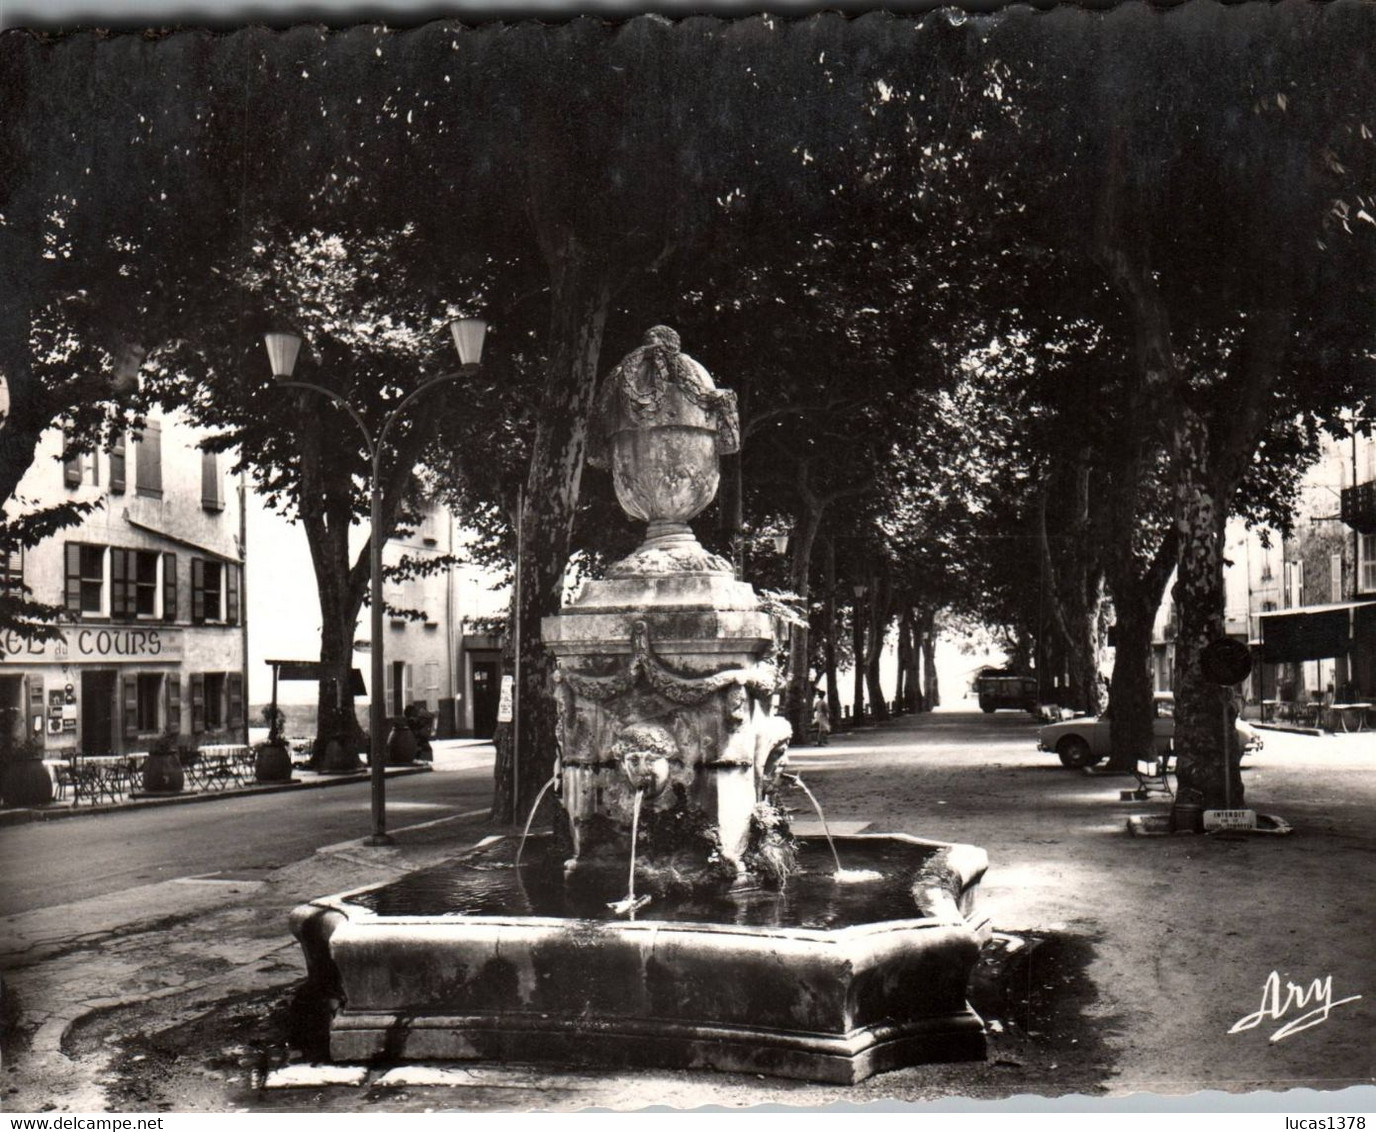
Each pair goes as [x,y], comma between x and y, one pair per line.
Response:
[829,979]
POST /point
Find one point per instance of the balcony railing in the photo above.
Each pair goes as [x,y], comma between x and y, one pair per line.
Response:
[1359,507]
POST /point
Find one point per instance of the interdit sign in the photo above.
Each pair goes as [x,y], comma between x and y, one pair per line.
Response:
[95,646]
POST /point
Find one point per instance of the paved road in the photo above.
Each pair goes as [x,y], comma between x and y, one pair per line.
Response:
[43,864]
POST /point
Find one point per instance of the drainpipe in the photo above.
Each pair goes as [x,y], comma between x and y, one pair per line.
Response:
[243,600]
[449,628]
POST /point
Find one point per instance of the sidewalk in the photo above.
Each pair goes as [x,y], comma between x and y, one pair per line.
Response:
[449,754]
[1123,964]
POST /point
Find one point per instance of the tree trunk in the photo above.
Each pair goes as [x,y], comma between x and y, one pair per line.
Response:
[1074,587]
[857,638]
[338,736]
[829,645]
[879,624]
[798,701]
[581,293]
[1136,591]
[1203,712]
[932,694]
[903,694]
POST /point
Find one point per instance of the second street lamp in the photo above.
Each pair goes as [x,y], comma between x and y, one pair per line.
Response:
[469,334]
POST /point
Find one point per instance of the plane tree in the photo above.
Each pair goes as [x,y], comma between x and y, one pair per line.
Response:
[1213,172]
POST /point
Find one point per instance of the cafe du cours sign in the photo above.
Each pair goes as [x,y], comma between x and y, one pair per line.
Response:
[91,645]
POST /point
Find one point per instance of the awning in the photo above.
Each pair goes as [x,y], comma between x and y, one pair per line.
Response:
[1314,632]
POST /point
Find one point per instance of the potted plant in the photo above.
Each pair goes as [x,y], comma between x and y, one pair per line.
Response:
[401,743]
[162,770]
[272,758]
[422,723]
[24,780]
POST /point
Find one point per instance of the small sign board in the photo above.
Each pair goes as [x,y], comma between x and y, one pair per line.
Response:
[1229,819]
[506,706]
[1225,661]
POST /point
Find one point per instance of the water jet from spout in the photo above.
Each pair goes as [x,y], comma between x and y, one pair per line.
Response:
[540,797]
[631,904]
[842,876]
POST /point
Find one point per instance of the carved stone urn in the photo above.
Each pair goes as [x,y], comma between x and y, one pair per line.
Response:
[665,677]
[660,425]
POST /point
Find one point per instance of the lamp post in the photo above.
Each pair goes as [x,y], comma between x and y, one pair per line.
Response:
[283,348]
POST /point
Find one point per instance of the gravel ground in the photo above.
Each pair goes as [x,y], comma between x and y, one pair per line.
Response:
[1119,964]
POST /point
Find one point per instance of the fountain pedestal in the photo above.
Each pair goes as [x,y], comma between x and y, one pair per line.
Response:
[755,952]
[670,674]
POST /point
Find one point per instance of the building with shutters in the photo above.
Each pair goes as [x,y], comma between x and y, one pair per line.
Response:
[153,583]
[430,661]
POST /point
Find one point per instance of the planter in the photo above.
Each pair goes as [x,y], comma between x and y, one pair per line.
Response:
[336,758]
[25,782]
[272,762]
[401,745]
[163,774]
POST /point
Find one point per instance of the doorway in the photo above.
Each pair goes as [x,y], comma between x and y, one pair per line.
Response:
[97,713]
[486,691]
[12,729]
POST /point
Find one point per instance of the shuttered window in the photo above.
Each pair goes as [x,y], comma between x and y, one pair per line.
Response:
[117,465]
[212,490]
[214,592]
[174,701]
[144,582]
[169,587]
[214,701]
[150,692]
[234,695]
[198,591]
[12,573]
[197,702]
[231,594]
[85,578]
[130,700]
[121,583]
[148,462]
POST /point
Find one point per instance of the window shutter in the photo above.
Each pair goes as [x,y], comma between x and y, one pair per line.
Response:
[169,587]
[149,462]
[234,687]
[197,702]
[174,701]
[120,588]
[117,465]
[406,686]
[1335,574]
[71,469]
[212,497]
[198,591]
[387,689]
[73,594]
[231,575]
[131,706]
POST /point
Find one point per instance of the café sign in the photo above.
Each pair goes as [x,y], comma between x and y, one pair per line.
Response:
[109,645]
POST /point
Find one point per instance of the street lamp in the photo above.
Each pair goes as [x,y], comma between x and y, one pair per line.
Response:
[283,349]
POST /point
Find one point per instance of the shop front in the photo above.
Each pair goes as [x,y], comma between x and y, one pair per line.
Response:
[116,689]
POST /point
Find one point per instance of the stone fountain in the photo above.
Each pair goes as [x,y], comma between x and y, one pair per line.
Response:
[670,918]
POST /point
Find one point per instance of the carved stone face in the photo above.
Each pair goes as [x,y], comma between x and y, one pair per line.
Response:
[644,751]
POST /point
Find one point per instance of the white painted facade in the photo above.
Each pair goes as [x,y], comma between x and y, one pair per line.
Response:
[154,586]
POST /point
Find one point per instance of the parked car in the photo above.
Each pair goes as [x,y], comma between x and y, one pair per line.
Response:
[1084,741]
[1006,690]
